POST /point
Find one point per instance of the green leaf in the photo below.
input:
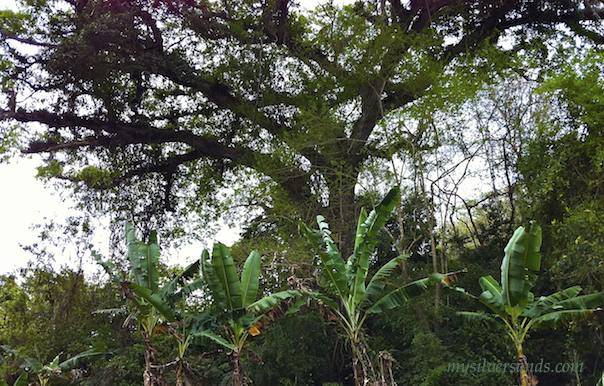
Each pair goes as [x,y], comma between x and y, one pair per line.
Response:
[108,266]
[521,255]
[156,301]
[367,230]
[250,278]
[475,316]
[216,338]
[152,259]
[218,292]
[133,255]
[403,295]
[187,289]
[226,272]
[333,265]
[265,304]
[21,381]
[55,362]
[375,286]
[558,318]
[583,302]
[170,292]
[97,352]
[143,258]
[29,361]
[491,295]
[546,304]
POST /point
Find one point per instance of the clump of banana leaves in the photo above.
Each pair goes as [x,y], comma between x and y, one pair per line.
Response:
[155,308]
[517,308]
[347,281]
[235,314]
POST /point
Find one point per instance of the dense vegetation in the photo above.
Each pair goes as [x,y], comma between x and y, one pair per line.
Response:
[485,115]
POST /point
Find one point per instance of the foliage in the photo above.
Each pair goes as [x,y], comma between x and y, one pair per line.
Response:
[299,350]
[149,109]
[55,369]
[355,299]
[153,307]
[517,307]
[234,301]
[566,195]
[43,313]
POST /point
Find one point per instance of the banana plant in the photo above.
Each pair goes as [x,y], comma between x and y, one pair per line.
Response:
[356,299]
[154,306]
[235,306]
[517,308]
[55,369]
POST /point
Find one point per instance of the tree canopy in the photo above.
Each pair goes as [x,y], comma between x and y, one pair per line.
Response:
[148,108]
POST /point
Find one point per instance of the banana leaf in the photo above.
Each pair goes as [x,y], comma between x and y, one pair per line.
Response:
[108,266]
[226,272]
[476,316]
[265,304]
[97,352]
[521,255]
[170,291]
[557,318]
[546,304]
[368,228]
[143,259]
[156,301]
[491,295]
[375,286]
[250,279]
[216,338]
[186,290]
[133,255]
[30,362]
[404,294]
[333,264]
[583,302]
[218,292]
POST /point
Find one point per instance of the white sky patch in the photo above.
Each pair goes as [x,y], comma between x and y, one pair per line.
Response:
[24,201]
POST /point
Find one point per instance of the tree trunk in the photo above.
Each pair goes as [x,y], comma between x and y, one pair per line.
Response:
[154,373]
[362,365]
[240,378]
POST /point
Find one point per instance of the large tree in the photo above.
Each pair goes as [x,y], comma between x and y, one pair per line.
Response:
[150,107]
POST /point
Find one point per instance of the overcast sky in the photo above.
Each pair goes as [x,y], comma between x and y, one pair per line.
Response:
[25,201]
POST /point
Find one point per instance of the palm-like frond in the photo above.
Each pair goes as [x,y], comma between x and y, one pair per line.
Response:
[250,279]
[226,272]
[405,293]
[521,256]
[481,318]
[108,266]
[333,265]
[216,338]
[171,292]
[143,259]
[218,292]
[30,362]
[376,286]
[367,230]
[155,300]
[491,295]
[267,303]
[97,352]
[558,318]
